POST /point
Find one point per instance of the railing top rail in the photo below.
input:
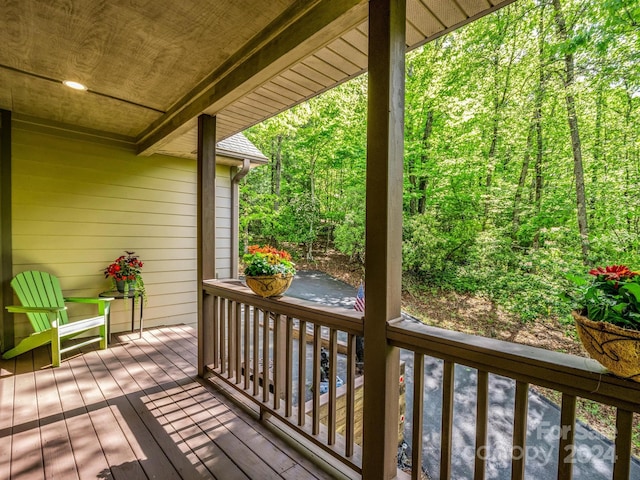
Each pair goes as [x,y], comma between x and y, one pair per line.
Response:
[566,373]
[340,318]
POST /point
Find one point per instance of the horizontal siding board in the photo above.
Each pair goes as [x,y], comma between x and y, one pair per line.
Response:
[223,262]
[97,255]
[44,170]
[102,191]
[25,198]
[45,213]
[115,242]
[99,229]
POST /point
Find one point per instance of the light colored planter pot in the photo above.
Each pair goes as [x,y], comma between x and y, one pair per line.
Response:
[617,349]
[269,285]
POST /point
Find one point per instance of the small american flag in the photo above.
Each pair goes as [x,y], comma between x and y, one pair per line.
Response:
[359,305]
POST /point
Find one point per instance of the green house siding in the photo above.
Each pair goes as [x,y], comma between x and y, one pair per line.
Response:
[77,205]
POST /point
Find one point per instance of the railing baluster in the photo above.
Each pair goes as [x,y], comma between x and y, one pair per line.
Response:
[288,394]
[302,371]
[482,412]
[256,351]
[223,336]
[418,416]
[624,440]
[277,356]
[350,424]
[216,332]
[238,360]
[231,332]
[333,362]
[520,430]
[566,448]
[447,420]
[246,320]
[317,345]
[266,381]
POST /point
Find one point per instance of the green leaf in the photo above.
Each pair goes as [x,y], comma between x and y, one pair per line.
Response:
[632,288]
[577,279]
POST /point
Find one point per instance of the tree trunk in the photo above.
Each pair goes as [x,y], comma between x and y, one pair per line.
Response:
[597,153]
[521,182]
[276,171]
[491,157]
[422,187]
[312,191]
[537,122]
[572,118]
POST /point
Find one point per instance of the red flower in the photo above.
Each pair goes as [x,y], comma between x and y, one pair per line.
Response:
[268,249]
[125,267]
[613,272]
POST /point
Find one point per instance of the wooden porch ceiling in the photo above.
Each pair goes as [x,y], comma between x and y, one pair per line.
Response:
[152,67]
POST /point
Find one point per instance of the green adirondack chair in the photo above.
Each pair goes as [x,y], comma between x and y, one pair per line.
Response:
[43,303]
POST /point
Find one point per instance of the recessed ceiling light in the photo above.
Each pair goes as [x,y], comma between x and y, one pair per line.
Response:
[74,85]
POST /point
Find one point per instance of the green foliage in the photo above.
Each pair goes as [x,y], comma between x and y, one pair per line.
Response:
[489,182]
[349,235]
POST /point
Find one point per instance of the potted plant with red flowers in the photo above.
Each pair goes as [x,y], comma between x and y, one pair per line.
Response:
[607,318]
[268,271]
[126,272]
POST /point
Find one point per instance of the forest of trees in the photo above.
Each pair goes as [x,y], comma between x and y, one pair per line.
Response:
[522,157]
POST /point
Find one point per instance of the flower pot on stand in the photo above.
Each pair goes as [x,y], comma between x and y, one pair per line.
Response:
[125,286]
[617,349]
[269,285]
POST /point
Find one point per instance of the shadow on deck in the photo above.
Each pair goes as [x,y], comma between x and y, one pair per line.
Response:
[134,411]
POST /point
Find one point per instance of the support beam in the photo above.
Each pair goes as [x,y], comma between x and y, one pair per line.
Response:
[206,217]
[301,30]
[383,264]
[6,249]
[240,173]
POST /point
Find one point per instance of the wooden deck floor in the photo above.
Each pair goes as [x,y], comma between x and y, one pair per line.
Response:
[133,411]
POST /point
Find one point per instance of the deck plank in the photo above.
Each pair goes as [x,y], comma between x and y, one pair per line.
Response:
[134,411]
[26,451]
[7,388]
[244,432]
[87,451]
[56,447]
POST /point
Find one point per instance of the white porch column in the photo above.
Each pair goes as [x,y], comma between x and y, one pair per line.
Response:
[206,218]
[385,144]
